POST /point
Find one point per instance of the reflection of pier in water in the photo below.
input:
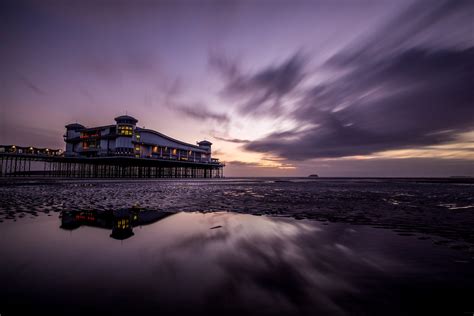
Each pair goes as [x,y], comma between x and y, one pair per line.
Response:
[121,221]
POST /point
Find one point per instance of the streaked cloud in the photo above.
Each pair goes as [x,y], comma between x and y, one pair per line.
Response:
[201,113]
[233,140]
[403,96]
[263,92]
[261,164]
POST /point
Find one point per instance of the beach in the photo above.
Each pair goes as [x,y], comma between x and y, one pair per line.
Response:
[256,246]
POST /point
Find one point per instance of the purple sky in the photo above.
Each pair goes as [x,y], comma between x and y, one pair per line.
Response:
[283,88]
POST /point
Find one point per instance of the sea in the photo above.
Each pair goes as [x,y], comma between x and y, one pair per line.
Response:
[237,246]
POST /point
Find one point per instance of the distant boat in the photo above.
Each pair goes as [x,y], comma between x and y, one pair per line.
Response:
[313,176]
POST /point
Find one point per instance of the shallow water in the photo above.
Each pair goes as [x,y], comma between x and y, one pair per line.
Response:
[228,263]
[256,246]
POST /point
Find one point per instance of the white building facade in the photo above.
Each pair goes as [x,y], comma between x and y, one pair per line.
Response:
[126,139]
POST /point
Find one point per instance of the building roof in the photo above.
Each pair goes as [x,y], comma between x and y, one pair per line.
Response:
[126,119]
[98,127]
[74,126]
[169,138]
[204,143]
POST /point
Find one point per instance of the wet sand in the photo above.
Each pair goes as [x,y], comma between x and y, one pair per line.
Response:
[443,208]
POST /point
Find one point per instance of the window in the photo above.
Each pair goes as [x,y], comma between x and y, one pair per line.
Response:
[124,130]
[90,134]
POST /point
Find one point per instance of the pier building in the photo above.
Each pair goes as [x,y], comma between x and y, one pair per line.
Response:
[125,138]
[114,151]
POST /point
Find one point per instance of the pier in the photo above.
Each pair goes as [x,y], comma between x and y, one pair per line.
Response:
[29,161]
[120,150]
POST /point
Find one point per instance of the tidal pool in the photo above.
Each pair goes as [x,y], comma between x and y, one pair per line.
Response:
[227,263]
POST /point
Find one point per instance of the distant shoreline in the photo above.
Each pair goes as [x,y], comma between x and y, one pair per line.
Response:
[33,180]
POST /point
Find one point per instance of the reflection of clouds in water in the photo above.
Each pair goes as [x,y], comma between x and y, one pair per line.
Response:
[250,265]
[261,263]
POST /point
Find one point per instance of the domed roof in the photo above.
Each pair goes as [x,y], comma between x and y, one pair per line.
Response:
[204,143]
[126,119]
[74,126]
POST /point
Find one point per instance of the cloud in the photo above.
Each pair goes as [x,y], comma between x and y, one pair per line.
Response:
[262,92]
[227,68]
[33,86]
[233,140]
[431,24]
[200,112]
[172,90]
[217,152]
[396,92]
[243,163]
[269,164]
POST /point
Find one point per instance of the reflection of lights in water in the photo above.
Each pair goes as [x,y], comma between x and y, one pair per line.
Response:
[121,222]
